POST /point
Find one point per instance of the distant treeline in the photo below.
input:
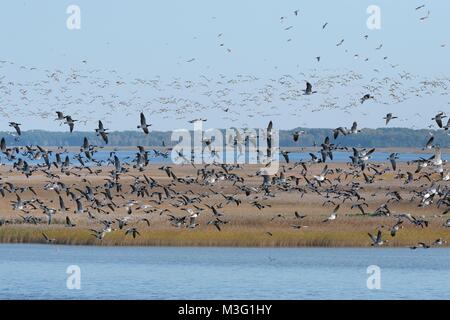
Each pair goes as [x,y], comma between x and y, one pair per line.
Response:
[381,138]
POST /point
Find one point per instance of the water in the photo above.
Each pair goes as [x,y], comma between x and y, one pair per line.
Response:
[39,272]
[126,156]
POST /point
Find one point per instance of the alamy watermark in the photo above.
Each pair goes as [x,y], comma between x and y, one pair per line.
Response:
[374,20]
[374,279]
[230,146]
[73,22]
[73,281]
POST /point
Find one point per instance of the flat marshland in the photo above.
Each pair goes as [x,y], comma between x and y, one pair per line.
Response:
[274,225]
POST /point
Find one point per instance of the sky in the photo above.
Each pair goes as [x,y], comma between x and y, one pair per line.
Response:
[181,40]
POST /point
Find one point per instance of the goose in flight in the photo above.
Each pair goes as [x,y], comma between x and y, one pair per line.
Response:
[436,160]
[377,241]
[308,90]
[47,239]
[70,122]
[389,117]
[429,144]
[354,129]
[60,116]
[339,130]
[298,215]
[99,235]
[144,126]
[396,227]
[16,125]
[102,132]
[366,97]
[392,158]
[333,215]
[69,223]
[133,231]
[438,118]
[296,135]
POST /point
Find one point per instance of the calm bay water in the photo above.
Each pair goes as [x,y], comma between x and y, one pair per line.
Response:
[39,272]
[128,156]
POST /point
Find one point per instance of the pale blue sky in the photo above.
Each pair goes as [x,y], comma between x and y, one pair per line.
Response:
[145,39]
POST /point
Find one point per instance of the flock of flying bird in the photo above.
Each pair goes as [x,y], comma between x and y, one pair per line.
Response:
[335,186]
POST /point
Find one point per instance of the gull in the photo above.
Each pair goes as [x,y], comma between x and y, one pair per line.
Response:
[389,117]
[144,126]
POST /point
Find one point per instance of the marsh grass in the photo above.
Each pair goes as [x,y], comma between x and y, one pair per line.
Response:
[232,237]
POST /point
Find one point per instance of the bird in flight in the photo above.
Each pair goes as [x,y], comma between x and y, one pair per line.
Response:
[389,117]
[144,126]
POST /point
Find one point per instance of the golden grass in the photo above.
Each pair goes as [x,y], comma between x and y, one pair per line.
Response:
[232,237]
[248,226]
